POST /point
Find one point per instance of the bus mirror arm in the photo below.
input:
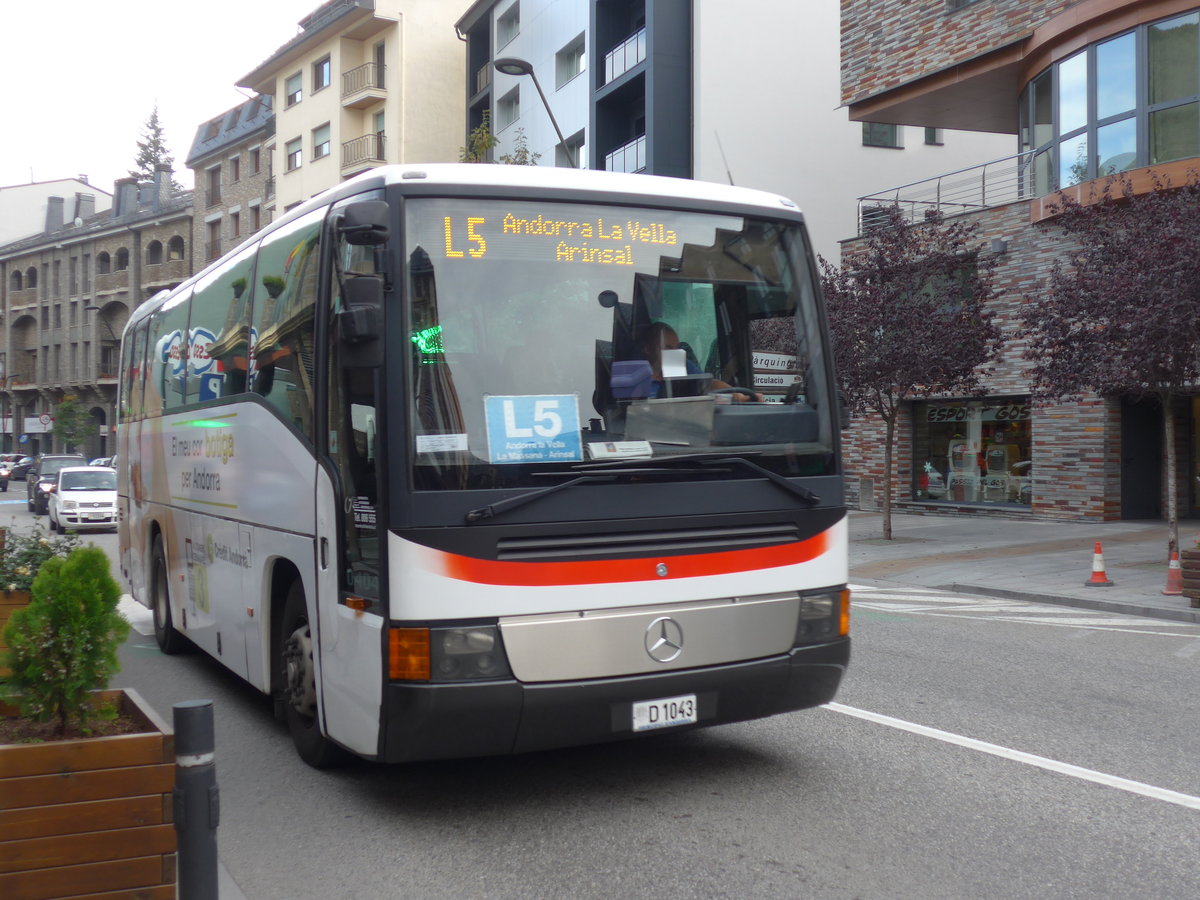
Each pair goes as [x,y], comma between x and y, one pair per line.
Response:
[364,223]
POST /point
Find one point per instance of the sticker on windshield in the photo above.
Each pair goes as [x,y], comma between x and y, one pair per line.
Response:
[537,428]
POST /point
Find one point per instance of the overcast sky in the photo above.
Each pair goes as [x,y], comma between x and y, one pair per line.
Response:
[79,78]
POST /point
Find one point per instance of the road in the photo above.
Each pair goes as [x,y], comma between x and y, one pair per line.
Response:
[978,749]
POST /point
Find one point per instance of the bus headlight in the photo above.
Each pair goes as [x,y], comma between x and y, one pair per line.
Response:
[463,653]
[823,617]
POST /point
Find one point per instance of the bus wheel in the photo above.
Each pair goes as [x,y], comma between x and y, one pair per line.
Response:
[298,683]
[169,640]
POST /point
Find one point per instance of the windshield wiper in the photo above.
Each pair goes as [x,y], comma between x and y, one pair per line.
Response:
[711,459]
[774,477]
[634,462]
[502,506]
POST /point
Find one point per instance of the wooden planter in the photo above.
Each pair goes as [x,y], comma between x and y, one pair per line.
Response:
[1190,561]
[90,817]
[10,602]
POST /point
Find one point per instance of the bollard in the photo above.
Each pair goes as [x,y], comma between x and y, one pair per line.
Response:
[196,800]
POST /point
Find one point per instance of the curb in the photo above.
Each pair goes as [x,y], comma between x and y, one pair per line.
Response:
[1129,609]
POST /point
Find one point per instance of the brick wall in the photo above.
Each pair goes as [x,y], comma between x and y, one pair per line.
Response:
[887,43]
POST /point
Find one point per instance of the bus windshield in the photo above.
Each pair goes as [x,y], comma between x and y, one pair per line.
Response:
[551,336]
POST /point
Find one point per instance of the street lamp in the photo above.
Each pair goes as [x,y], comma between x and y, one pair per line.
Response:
[510,65]
[104,322]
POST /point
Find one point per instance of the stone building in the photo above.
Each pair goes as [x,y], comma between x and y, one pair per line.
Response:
[65,295]
[1087,88]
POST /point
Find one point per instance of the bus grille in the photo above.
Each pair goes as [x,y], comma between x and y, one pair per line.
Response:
[649,543]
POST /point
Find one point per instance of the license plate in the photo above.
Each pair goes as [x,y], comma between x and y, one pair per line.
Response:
[664,713]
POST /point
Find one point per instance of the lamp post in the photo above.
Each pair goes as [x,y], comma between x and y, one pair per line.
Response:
[510,65]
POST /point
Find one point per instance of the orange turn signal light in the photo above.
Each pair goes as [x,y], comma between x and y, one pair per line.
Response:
[408,654]
[844,612]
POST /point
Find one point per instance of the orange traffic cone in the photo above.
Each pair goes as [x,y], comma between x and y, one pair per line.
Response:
[1174,575]
[1098,579]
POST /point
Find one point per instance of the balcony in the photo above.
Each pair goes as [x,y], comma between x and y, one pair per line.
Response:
[364,152]
[269,189]
[623,57]
[629,158]
[483,77]
[363,85]
[977,188]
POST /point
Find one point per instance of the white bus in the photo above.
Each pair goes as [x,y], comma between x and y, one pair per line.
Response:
[469,460]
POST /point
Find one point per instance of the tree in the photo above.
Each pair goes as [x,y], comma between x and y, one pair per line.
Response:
[908,317]
[1120,315]
[521,154]
[479,142]
[152,152]
[73,424]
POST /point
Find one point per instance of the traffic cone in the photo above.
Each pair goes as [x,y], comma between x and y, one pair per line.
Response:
[1174,575]
[1098,579]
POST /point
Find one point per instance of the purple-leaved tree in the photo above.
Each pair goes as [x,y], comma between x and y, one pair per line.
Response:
[909,317]
[1120,315]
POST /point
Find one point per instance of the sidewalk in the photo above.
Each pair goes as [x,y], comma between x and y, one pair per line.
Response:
[1040,560]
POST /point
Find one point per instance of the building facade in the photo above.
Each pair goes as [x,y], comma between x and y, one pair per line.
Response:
[745,92]
[23,207]
[66,294]
[364,83]
[1088,88]
[234,194]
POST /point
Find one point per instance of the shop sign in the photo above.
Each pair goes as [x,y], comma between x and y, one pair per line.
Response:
[1014,412]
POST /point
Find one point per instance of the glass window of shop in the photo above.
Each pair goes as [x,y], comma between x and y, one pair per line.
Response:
[973,451]
[1128,101]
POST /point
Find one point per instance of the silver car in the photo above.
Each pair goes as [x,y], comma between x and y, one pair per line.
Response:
[83,497]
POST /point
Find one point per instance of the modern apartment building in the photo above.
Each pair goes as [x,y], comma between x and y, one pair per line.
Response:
[1088,88]
[747,92]
[66,293]
[364,83]
[230,159]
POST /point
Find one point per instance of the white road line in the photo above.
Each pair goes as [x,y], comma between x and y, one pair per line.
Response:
[1030,759]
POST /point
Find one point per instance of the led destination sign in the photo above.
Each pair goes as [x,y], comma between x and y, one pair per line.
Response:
[599,240]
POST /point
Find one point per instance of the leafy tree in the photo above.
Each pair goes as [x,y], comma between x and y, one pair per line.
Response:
[73,423]
[908,318]
[1120,315]
[152,152]
[64,643]
[479,142]
[521,154]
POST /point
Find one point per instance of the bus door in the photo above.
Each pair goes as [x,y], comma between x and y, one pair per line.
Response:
[350,541]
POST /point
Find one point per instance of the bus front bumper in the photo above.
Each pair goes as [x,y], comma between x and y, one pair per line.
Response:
[446,721]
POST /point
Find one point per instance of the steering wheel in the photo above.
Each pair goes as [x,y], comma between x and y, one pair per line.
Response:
[735,392]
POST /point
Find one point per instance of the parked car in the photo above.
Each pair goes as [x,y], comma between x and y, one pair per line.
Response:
[83,497]
[21,468]
[40,479]
[105,461]
[7,461]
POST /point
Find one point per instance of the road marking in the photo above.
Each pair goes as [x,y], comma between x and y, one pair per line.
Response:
[1041,762]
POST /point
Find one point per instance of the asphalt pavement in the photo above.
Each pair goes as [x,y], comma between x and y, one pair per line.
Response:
[1025,559]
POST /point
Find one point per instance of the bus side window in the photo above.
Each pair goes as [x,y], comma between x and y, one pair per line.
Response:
[220,330]
[167,356]
[285,297]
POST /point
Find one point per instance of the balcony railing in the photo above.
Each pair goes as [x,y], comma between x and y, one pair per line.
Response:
[623,57]
[483,77]
[369,148]
[368,75]
[977,188]
[629,158]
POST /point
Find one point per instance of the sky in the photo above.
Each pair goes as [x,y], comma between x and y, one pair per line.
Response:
[79,78]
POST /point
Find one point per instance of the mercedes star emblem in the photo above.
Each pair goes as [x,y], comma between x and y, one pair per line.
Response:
[664,639]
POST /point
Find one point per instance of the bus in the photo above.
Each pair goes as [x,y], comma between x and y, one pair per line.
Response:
[468,460]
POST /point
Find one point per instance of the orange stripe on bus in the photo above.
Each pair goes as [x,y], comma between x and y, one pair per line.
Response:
[612,571]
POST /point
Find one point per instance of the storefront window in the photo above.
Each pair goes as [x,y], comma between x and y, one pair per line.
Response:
[973,451]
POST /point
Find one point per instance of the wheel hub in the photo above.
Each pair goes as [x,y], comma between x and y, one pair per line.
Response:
[298,663]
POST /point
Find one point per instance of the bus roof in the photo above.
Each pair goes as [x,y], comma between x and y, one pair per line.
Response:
[579,185]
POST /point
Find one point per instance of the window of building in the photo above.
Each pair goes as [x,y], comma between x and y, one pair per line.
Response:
[58,315]
[294,150]
[320,74]
[154,253]
[122,262]
[293,90]
[572,150]
[103,263]
[255,218]
[973,451]
[31,277]
[85,273]
[212,180]
[934,137]
[508,26]
[879,134]
[235,225]
[570,61]
[1084,118]
[57,278]
[235,169]
[213,250]
[321,141]
[255,161]
[14,280]
[175,248]
[508,109]
[73,276]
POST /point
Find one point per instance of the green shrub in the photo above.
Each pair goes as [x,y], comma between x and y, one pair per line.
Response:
[22,554]
[64,643]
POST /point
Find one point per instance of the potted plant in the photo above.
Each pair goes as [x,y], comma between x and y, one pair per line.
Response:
[86,773]
[1189,561]
[21,556]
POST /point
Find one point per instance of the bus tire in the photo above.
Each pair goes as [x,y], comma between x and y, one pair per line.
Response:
[169,640]
[298,686]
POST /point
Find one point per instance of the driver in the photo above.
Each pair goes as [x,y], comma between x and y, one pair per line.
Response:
[659,337]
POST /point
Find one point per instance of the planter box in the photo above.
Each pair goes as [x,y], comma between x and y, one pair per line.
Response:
[1189,561]
[90,817]
[10,602]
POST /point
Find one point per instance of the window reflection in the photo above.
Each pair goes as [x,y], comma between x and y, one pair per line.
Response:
[1116,76]
[1173,58]
[1072,93]
[1116,147]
